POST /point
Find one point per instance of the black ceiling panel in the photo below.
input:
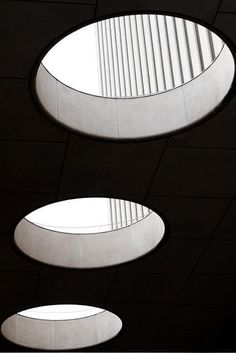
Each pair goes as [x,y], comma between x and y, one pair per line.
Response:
[209,289]
[20,119]
[196,172]
[140,316]
[227,228]
[228,6]
[18,285]
[74,286]
[136,340]
[205,317]
[190,217]
[16,205]
[30,166]
[175,340]
[142,288]
[101,167]
[12,259]
[225,22]
[169,258]
[219,258]
[201,9]
[81,2]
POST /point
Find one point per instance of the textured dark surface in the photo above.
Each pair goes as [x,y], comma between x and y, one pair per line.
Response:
[181,297]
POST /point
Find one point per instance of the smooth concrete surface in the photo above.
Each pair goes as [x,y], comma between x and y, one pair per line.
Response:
[138,117]
[89,250]
[61,334]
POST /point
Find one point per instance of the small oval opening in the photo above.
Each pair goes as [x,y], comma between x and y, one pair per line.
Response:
[61,327]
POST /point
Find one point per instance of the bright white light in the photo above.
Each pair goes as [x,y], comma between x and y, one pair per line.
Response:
[61,312]
[85,215]
[74,60]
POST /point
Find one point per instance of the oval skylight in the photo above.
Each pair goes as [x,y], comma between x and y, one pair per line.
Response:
[89,232]
[139,57]
[61,327]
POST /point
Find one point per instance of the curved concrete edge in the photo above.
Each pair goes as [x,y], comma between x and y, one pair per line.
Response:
[61,334]
[142,116]
[89,250]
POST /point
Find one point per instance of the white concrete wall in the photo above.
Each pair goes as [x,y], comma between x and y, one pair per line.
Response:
[138,117]
[89,250]
[61,334]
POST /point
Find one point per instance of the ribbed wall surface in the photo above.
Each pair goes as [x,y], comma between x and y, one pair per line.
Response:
[124,213]
[146,54]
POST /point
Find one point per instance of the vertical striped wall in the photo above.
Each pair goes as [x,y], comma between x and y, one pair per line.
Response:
[123,213]
[146,54]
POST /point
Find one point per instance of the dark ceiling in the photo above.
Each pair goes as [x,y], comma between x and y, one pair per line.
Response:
[181,297]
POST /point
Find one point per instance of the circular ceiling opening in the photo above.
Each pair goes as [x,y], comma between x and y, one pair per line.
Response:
[89,232]
[117,77]
[60,327]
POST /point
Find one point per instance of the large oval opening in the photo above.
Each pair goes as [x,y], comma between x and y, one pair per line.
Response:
[135,76]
